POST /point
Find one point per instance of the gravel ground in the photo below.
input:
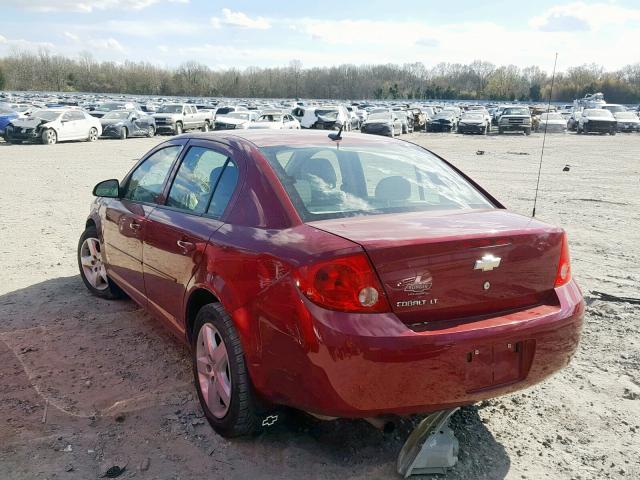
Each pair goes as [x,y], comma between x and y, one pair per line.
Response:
[89,384]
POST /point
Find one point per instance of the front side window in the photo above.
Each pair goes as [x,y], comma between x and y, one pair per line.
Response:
[325,182]
[145,183]
[197,177]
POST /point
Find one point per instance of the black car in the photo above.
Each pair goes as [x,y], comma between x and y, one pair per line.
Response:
[472,122]
[128,123]
[383,123]
[103,108]
[444,121]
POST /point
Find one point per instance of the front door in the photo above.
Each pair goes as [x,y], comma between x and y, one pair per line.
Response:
[139,123]
[178,232]
[70,126]
[125,219]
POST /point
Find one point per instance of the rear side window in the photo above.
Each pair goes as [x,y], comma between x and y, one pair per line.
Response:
[146,182]
[197,176]
[325,183]
[224,189]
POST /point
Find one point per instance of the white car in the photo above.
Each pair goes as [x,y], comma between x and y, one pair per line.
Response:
[275,121]
[235,120]
[54,125]
[552,122]
[627,121]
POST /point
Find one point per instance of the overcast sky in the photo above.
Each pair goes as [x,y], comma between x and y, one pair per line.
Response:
[270,33]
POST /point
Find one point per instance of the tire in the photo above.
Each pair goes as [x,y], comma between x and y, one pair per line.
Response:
[93,134]
[123,133]
[205,127]
[612,132]
[49,136]
[103,289]
[527,131]
[179,128]
[151,131]
[240,418]
[500,130]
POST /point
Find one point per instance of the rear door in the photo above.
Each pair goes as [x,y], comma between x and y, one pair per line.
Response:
[125,219]
[178,231]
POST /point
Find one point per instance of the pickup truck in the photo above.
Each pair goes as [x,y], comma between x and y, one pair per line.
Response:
[177,118]
[515,118]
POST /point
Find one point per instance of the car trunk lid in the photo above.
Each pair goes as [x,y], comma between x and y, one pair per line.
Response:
[445,265]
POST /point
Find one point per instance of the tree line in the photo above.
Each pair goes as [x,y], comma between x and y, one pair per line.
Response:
[479,80]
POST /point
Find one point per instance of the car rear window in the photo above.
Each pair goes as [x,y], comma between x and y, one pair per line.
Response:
[325,182]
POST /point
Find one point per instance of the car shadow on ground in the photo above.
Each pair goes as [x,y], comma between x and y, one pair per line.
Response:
[93,362]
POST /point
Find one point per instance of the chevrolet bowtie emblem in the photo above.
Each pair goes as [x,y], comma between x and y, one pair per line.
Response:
[487,263]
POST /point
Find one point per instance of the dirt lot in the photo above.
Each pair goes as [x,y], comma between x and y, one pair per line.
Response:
[114,387]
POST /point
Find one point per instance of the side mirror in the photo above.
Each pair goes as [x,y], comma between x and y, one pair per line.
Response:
[133,119]
[107,189]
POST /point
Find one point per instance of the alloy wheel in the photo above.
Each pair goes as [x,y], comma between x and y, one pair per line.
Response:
[92,265]
[214,376]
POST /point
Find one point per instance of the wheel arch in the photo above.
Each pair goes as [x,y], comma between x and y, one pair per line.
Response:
[197,299]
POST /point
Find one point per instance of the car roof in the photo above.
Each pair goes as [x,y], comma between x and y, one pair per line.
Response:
[294,138]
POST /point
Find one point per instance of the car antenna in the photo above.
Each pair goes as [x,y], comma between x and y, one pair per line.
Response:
[337,136]
[544,137]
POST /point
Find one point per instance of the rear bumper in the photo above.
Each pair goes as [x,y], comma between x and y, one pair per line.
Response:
[352,365]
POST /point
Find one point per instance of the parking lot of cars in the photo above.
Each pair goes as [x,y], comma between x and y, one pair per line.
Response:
[52,118]
[89,383]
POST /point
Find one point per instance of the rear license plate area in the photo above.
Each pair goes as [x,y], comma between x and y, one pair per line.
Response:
[499,363]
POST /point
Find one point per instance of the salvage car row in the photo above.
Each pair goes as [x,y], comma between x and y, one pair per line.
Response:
[64,119]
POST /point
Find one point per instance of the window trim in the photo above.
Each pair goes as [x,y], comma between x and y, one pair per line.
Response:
[218,148]
[161,196]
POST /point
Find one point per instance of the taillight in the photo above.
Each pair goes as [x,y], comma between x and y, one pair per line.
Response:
[347,284]
[564,265]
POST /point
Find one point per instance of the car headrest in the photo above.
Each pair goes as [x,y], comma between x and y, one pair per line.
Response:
[321,168]
[393,189]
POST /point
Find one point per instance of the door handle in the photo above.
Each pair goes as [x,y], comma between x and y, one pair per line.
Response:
[134,226]
[185,246]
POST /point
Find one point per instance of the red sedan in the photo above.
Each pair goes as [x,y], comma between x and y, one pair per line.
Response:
[357,277]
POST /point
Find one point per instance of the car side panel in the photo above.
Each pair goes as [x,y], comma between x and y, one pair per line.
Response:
[123,224]
[173,249]
[242,263]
